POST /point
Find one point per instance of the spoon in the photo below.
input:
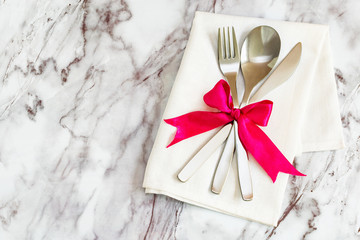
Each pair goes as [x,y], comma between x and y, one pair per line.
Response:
[259,54]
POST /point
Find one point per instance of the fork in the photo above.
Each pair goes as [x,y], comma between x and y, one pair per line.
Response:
[229,63]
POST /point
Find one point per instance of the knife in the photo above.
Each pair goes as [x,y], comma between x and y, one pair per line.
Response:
[283,72]
[280,74]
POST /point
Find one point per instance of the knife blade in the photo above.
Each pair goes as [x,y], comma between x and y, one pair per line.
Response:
[280,74]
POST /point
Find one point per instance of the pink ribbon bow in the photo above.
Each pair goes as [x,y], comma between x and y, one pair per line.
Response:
[254,140]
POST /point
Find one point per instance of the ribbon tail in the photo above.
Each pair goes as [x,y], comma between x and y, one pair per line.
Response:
[194,123]
[264,150]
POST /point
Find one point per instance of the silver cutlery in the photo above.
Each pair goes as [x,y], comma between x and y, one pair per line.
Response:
[259,54]
[281,73]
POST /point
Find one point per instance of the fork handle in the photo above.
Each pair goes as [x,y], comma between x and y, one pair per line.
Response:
[223,167]
[231,78]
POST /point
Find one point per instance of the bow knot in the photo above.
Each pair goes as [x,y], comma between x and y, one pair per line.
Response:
[235,113]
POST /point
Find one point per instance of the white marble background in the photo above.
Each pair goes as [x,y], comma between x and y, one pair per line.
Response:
[83,85]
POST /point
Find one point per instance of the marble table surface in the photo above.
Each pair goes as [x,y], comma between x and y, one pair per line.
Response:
[83,85]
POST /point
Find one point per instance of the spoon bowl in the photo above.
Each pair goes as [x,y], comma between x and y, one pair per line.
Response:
[259,54]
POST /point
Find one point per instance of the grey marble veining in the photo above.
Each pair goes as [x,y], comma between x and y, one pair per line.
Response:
[83,85]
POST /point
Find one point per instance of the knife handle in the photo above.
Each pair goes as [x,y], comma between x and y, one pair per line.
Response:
[223,167]
[205,152]
[243,168]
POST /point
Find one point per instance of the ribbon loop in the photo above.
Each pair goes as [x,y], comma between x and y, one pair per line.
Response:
[258,112]
[219,97]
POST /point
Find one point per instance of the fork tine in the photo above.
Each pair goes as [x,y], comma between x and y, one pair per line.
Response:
[224,44]
[236,50]
[227,44]
[220,48]
[230,54]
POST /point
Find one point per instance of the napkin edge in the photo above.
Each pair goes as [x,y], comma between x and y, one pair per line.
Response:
[260,18]
[149,190]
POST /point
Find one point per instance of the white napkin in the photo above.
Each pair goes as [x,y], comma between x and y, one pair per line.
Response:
[305,117]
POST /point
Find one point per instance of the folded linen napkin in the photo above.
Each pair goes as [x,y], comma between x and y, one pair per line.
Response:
[305,117]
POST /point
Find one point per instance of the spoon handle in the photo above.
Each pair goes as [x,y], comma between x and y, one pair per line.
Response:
[244,175]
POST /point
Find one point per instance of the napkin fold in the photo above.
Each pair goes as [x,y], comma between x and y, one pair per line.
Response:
[305,117]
